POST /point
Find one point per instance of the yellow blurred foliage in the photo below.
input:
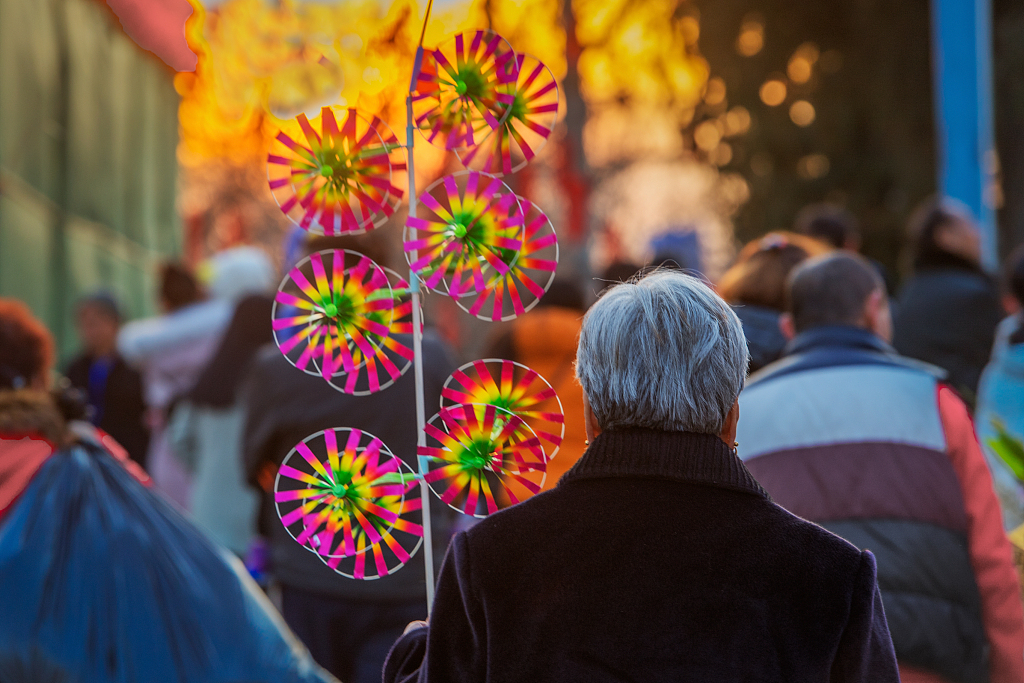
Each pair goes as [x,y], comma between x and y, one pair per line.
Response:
[262,62]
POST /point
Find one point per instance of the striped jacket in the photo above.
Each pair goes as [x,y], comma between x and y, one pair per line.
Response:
[845,433]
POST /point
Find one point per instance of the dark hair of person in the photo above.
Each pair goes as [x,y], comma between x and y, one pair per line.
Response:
[831,290]
[103,302]
[250,329]
[178,287]
[1013,274]
[617,273]
[758,278]
[563,294]
[923,228]
[26,347]
[829,223]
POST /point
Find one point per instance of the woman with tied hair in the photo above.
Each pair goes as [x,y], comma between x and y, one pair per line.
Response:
[657,557]
[756,286]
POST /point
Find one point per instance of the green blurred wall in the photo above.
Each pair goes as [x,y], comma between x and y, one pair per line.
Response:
[88,137]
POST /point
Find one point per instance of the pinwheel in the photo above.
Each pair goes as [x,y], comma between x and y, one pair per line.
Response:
[351,506]
[513,387]
[334,178]
[463,88]
[531,118]
[395,354]
[481,458]
[466,236]
[518,289]
[332,312]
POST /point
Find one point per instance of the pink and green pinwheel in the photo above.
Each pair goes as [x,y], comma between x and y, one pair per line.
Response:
[394,356]
[463,88]
[513,387]
[332,312]
[332,176]
[507,148]
[344,496]
[520,288]
[482,458]
[466,235]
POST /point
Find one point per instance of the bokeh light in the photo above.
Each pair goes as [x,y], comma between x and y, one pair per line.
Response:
[813,166]
[751,38]
[802,113]
[773,92]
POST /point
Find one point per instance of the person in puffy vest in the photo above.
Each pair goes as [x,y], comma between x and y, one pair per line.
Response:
[875,448]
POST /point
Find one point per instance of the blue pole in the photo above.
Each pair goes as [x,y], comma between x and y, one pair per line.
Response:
[962,72]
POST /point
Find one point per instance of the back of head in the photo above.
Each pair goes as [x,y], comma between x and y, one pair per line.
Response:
[178,287]
[831,290]
[26,347]
[758,278]
[942,233]
[239,272]
[829,223]
[26,356]
[103,303]
[662,352]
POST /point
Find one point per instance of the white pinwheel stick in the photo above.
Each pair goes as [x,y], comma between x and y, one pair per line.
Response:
[417,329]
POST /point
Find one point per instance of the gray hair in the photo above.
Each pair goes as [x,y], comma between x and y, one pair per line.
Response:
[662,352]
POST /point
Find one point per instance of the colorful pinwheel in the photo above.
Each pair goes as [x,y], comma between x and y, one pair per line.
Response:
[395,355]
[334,179]
[332,325]
[513,387]
[513,144]
[464,87]
[482,458]
[467,236]
[350,504]
[527,279]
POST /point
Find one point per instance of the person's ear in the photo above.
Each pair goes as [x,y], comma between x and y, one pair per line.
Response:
[877,316]
[732,419]
[589,421]
[786,326]
[1010,304]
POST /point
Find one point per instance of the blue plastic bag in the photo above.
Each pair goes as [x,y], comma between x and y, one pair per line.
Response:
[102,580]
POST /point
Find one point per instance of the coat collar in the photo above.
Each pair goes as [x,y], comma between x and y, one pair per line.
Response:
[838,336]
[681,456]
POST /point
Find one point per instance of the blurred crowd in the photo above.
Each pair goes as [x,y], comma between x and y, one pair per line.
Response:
[200,408]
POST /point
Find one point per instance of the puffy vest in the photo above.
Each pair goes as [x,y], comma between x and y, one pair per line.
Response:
[859,448]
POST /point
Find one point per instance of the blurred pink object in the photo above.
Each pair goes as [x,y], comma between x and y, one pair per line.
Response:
[158,26]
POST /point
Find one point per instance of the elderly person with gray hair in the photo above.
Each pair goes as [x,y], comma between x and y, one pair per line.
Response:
[658,557]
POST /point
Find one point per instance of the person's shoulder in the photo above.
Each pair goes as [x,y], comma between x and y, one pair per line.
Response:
[810,545]
[514,522]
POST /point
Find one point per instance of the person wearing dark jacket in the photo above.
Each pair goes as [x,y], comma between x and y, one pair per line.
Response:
[657,557]
[949,309]
[112,387]
[846,433]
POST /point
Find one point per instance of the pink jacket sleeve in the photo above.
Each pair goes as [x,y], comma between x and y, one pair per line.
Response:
[991,555]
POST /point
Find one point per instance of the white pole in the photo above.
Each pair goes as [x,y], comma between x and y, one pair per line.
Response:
[417,344]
